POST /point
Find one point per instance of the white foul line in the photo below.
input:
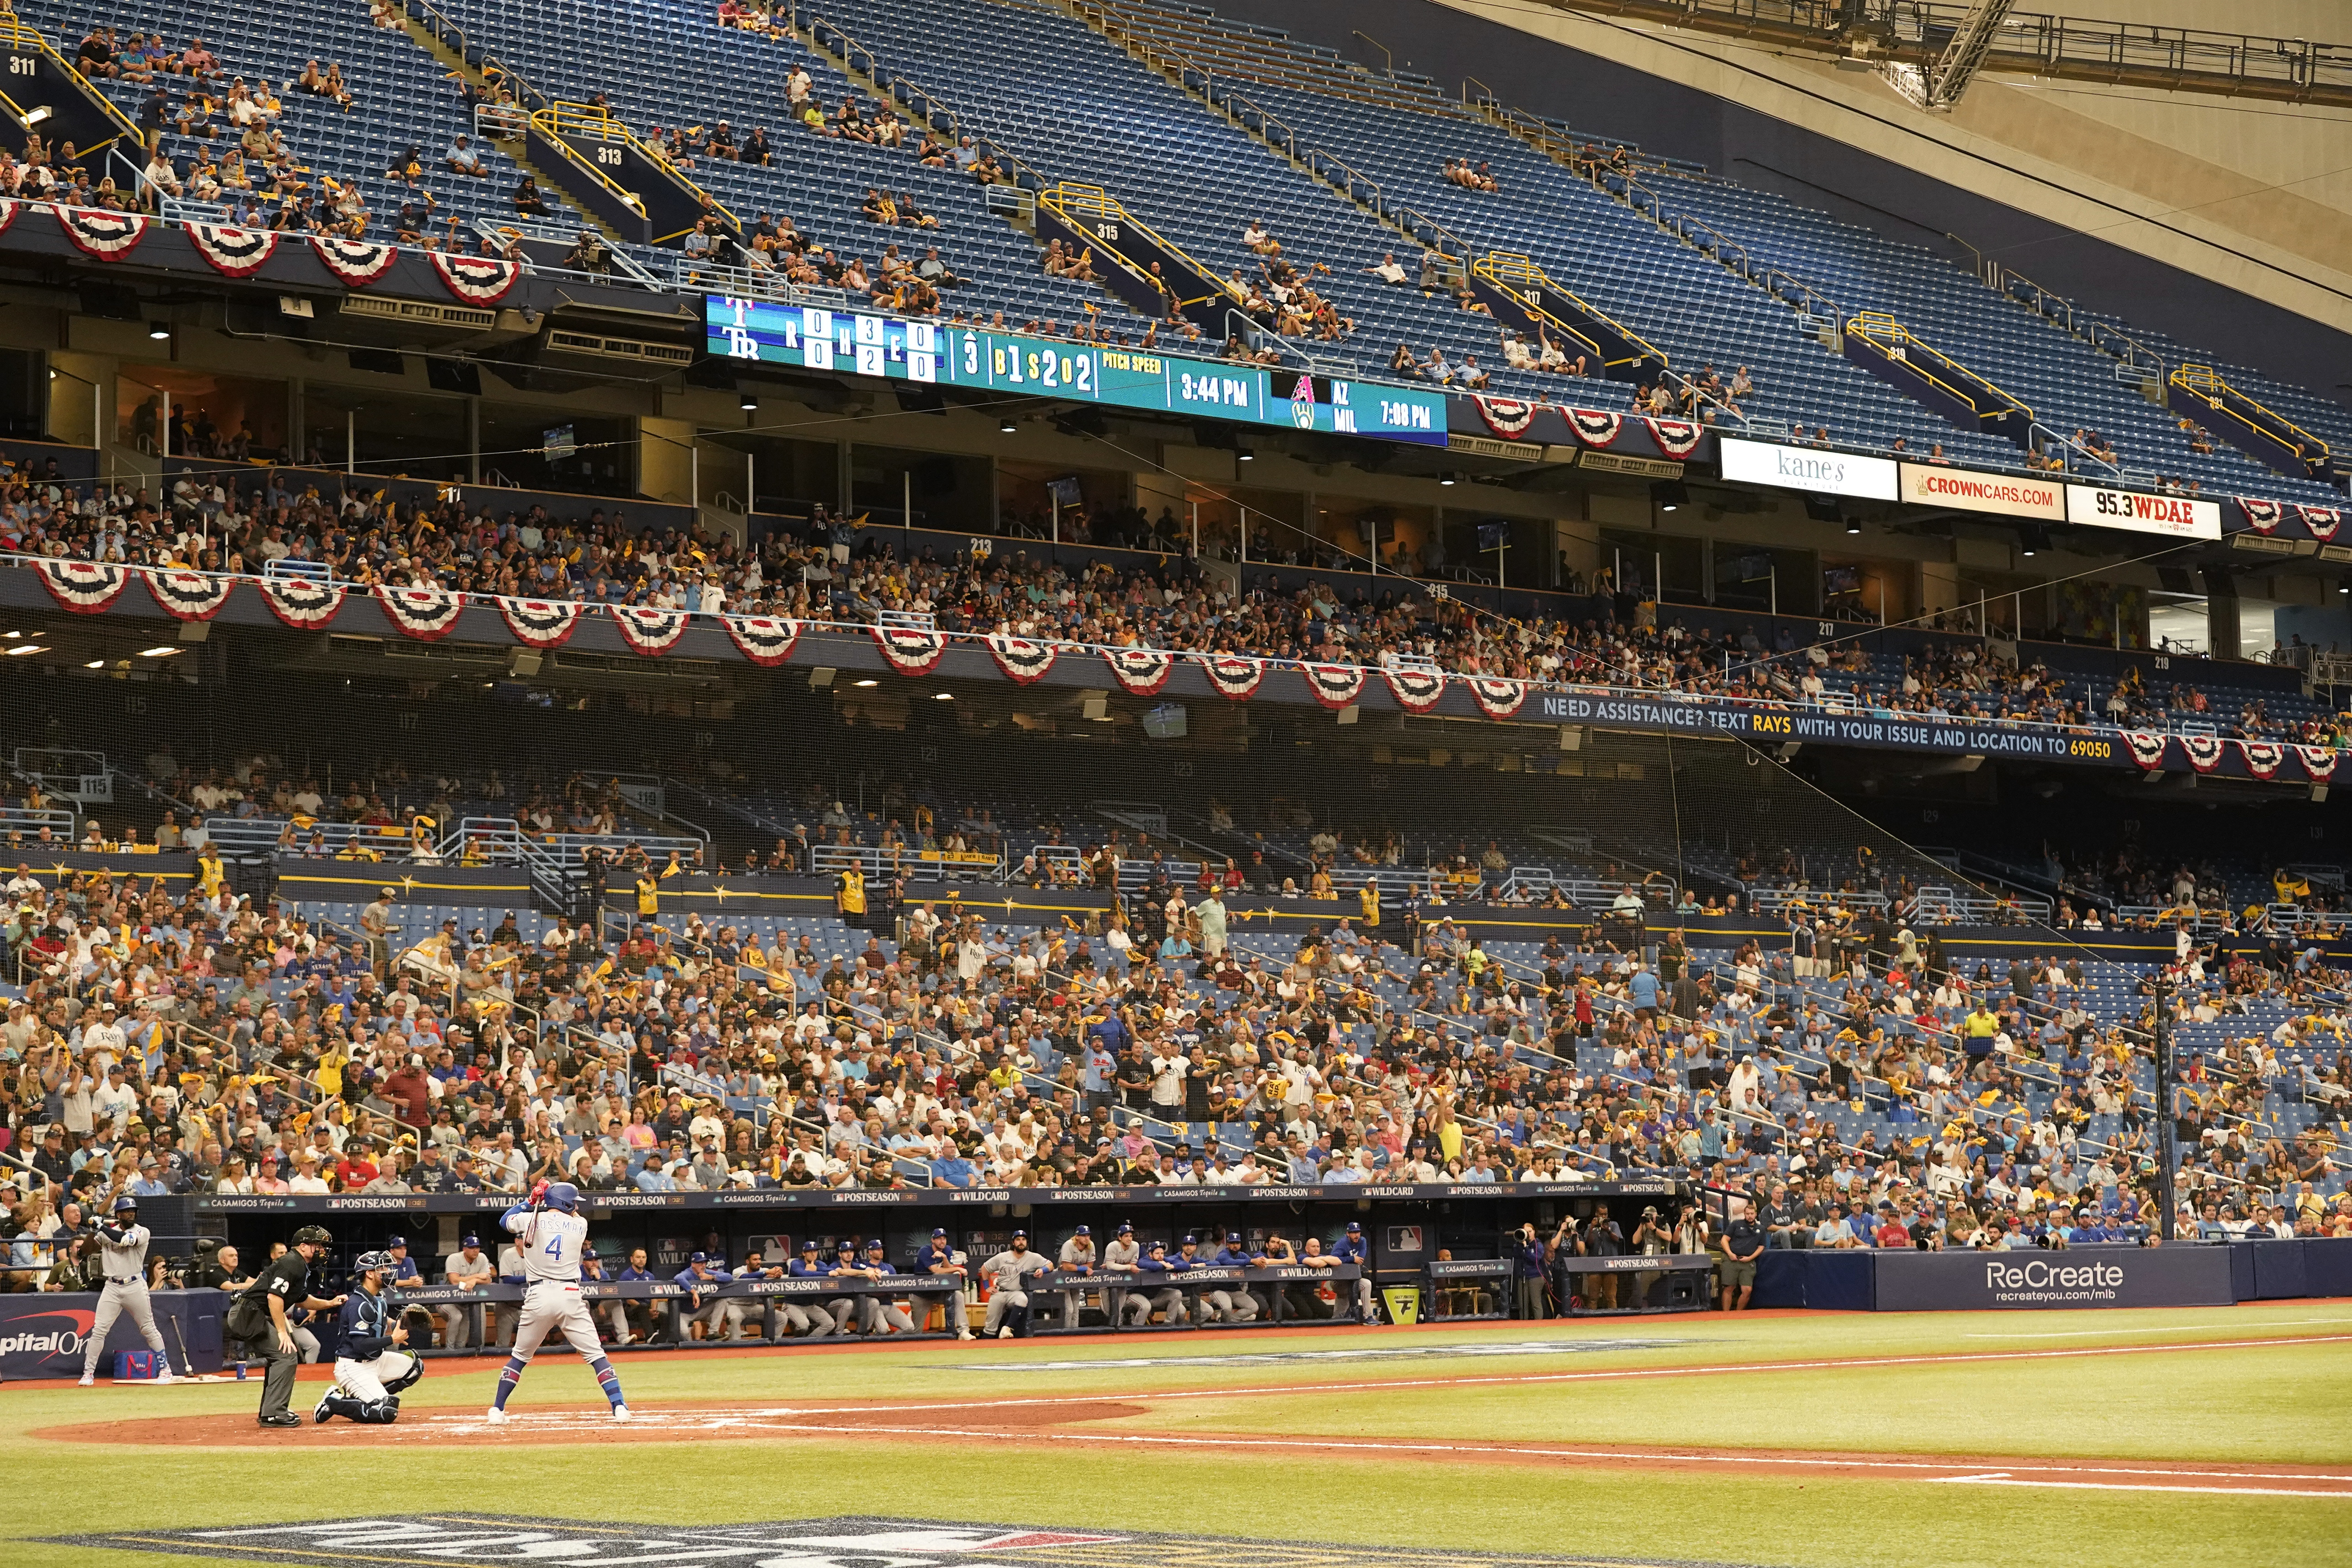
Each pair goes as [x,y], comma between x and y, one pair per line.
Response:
[2006,1480]
[560,1423]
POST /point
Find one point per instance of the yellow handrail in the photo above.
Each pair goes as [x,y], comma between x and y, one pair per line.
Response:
[2205,383]
[595,121]
[548,123]
[1072,200]
[1506,269]
[14,31]
[1870,326]
[1600,356]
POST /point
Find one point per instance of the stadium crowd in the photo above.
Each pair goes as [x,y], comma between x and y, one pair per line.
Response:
[840,570]
[168,1044]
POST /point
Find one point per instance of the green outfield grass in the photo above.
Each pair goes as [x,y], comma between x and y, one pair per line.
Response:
[2277,1404]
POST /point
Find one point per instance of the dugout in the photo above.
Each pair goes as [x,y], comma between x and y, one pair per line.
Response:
[1408,1226]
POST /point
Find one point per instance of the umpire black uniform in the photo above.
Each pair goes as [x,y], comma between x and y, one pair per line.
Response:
[257,1321]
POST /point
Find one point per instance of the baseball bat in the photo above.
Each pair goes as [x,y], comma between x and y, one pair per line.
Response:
[187,1361]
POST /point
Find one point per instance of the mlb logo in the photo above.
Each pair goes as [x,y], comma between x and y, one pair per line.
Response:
[135,1365]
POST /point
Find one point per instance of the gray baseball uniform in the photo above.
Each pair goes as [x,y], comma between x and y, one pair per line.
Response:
[124,1249]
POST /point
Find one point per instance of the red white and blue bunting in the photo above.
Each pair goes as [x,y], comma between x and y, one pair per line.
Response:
[427,614]
[1334,685]
[2263,756]
[1236,675]
[1506,417]
[8,209]
[910,653]
[1140,672]
[476,279]
[238,253]
[2318,762]
[648,631]
[765,640]
[2204,751]
[2147,749]
[1593,427]
[109,236]
[300,602]
[84,587]
[541,623]
[1675,437]
[1024,662]
[1497,697]
[188,595]
[355,262]
[1416,690]
[2262,517]
[2323,521]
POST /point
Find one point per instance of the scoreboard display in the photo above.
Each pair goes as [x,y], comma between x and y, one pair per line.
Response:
[858,343]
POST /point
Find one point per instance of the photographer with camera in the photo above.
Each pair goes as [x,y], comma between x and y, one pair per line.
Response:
[1653,1238]
[1532,1259]
[1603,1238]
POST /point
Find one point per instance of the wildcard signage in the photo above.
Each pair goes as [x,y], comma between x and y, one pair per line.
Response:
[931,352]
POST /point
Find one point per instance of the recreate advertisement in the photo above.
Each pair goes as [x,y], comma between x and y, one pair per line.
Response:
[931,352]
[2092,1276]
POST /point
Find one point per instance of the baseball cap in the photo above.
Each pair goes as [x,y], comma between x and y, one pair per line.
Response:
[1125,1228]
[876,1245]
[1020,1236]
[1160,1247]
[395,1242]
[700,1258]
[1232,1237]
[808,1243]
[845,1245]
[1191,1240]
[1082,1230]
[471,1241]
[937,1231]
[1354,1229]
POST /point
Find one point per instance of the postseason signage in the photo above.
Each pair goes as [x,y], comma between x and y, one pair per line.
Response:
[933,353]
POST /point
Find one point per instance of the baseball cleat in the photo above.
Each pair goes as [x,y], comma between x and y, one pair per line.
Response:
[622,1413]
[86,1380]
[165,1376]
[321,1414]
[1005,1333]
[495,1416]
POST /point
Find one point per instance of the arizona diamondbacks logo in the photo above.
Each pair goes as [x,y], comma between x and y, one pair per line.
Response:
[1302,403]
[477,1541]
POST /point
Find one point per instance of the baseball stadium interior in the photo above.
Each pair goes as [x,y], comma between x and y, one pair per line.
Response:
[1543,698]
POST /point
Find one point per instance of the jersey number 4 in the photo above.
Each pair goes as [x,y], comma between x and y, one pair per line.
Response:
[554,1249]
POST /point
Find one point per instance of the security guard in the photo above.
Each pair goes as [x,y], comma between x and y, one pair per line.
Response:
[258,1321]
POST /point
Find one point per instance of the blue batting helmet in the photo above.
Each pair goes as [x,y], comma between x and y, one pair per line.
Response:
[126,1202]
[563,1196]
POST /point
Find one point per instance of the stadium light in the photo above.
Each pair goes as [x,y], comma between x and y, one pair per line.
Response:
[1668,494]
[1244,455]
[160,330]
[1004,426]
[944,697]
[21,649]
[746,402]
[160,651]
[1854,525]
[1447,477]
[865,683]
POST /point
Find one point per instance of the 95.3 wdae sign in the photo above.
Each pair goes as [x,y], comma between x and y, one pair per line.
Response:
[2180,517]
